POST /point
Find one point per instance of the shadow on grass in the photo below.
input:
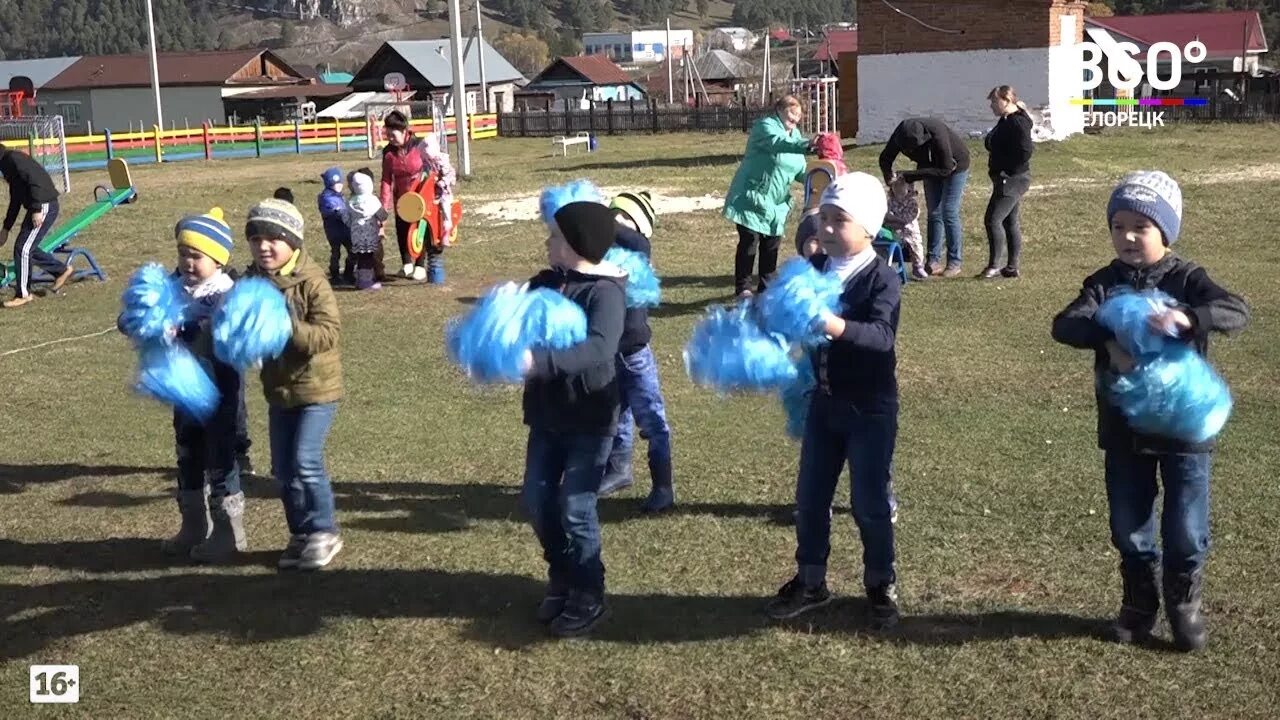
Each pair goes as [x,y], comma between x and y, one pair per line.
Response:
[658,162]
[422,507]
[14,478]
[109,555]
[497,608]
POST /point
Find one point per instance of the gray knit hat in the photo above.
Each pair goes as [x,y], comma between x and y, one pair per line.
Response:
[277,219]
[1153,194]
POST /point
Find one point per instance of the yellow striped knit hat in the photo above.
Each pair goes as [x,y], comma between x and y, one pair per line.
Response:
[638,207]
[207,233]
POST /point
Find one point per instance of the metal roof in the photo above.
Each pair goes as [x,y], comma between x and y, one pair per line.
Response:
[40,70]
[433,61]
[191,68]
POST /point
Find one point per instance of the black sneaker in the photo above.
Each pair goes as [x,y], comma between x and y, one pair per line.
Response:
[883,603]
[582,612]
[552,604]
[795,598]
[1010,272]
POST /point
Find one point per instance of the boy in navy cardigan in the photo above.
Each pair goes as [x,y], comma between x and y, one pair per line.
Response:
[1145,215]
[571,408]
[333,211]
[853,416]
[642,402]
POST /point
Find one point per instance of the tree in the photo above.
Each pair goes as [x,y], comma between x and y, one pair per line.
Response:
[1098,9]
[704,7]
[288,34]
[528,53]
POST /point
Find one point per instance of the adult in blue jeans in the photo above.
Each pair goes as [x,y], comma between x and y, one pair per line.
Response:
[942,162]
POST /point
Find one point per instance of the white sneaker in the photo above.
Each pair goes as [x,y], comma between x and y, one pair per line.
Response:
[419,273]
[407,270]
[319,550]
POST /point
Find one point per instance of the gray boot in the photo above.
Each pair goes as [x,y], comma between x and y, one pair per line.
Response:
[195,523]
[228,531]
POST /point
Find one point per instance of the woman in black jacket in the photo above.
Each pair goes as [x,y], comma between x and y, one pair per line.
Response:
[942,162]
[1009,165]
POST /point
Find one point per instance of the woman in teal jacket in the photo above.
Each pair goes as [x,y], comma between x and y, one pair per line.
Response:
[760,196]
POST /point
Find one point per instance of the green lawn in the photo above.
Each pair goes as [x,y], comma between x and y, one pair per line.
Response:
[1007,576]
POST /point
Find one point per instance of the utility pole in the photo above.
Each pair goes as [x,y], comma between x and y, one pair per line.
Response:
[155,72]
[484,86]
[671,88]
[459,89]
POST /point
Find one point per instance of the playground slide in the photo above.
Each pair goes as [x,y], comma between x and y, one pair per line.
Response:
[121,192]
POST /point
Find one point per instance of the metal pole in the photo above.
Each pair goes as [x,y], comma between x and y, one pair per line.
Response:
[155,72]
[671,88]
[484,85]
[459,89]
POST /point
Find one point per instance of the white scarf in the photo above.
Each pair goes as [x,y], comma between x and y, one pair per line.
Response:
[215,284]
[850,265]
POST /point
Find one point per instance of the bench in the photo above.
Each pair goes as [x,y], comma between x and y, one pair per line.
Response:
[582,138]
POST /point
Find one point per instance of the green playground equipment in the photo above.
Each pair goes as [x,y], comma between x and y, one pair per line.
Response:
[58,241]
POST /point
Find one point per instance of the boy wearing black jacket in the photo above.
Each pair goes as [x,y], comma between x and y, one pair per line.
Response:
[853,413]
[1145,214]
[30,189]
[571,408]
[642,402]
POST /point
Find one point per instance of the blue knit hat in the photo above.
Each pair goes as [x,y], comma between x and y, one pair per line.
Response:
[1153,194]
[331,177]
[208,233]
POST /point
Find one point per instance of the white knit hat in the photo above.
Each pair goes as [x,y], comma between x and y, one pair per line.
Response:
[861,197]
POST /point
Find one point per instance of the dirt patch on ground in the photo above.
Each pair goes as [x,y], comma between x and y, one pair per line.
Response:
[516,208]
[1258,173]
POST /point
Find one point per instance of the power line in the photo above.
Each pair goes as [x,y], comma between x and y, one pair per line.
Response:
[920,22]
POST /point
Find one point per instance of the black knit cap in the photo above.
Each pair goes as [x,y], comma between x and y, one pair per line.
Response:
[588,227]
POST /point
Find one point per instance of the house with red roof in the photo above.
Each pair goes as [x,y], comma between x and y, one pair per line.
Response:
[1234,42]
[581,78]
[834,43]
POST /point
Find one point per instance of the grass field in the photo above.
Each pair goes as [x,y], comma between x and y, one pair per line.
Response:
[1007,576]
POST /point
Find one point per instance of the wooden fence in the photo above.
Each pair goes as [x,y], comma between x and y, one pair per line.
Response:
[620,118]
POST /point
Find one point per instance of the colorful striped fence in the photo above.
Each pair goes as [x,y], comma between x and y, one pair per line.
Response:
[91,152]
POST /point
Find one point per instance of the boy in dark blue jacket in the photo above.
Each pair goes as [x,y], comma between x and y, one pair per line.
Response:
[1145,215]
[333,211]
[571,408]
[853,414]
[208,473]
[642,403]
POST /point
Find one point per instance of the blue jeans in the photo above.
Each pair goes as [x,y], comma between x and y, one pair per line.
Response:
[642,405]
[297,458]
[942,197]
[836,433]
[1184,523]
[562,473]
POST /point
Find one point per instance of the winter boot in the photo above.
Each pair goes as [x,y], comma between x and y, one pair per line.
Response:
[195,523]
[1141,604]
[663,495]
[1182,604]
[227,537]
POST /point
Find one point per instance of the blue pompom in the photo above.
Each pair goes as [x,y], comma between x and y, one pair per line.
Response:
[795,301]
[729,351]
[557,196]
[154,304]
[797,395]
[643,286]
[172,375]
[1175,394]
[252,324]
[490,341]
[1127,313]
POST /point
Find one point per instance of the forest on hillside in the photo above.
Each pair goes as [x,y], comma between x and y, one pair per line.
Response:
[48,28]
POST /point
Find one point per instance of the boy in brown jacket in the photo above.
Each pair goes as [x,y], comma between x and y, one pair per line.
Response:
[302,386]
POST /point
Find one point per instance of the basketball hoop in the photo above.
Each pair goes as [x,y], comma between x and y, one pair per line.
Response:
[395,84]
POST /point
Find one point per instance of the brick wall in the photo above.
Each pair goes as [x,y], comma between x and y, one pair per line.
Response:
[983,25]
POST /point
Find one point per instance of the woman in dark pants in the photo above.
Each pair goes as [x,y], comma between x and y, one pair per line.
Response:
[1009,165]
[942,162]
[759,197]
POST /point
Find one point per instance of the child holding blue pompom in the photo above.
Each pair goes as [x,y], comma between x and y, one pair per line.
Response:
[1145,215]
[642,403]
[853,412]
[571,407]
[302,385]
[209,496]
